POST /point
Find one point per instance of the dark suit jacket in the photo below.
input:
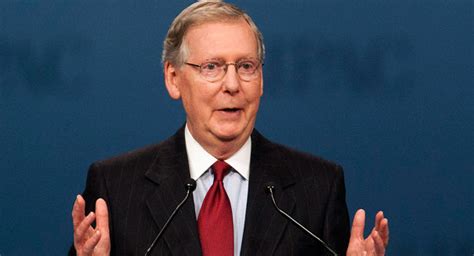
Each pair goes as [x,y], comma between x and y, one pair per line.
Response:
[143,187]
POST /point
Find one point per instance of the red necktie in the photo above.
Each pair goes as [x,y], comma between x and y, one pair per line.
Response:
[216,230]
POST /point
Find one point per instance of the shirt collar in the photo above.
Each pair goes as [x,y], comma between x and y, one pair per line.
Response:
[200,160]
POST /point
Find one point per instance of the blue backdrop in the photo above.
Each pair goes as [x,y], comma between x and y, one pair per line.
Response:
[384,88]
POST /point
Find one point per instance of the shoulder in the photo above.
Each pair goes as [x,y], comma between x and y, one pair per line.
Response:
[120,174]
[300,163]
[142,158]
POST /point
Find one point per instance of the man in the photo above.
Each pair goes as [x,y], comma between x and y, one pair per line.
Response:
[213,56]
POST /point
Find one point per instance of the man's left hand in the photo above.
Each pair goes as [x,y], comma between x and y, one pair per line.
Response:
[375,243]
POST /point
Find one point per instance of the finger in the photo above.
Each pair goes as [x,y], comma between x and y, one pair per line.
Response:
[378,244]
[384,231]
[90,244]
[378,219]
[78,211]
[369,246]
[357,231]
[102,217]
[84,228]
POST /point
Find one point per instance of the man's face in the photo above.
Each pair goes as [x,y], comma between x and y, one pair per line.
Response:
[225,110]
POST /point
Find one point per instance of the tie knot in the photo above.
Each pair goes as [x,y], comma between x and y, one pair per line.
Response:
[220,169]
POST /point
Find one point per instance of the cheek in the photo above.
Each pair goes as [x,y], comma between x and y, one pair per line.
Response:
[253,95]
[197,103]
[190,94]
[254,106]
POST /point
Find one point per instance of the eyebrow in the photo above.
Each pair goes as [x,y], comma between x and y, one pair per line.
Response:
[238,60]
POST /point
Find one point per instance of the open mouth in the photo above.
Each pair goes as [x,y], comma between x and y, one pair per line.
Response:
[230,110]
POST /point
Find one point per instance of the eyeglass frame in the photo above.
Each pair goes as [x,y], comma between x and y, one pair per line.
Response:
[225,66]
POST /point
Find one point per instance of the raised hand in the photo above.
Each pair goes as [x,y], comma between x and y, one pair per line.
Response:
[87,239]
[375,243]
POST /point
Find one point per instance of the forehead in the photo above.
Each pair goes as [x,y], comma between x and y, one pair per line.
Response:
[228,40]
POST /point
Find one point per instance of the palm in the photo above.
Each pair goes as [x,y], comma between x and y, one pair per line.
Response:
[377,240]
[88,240]
[102,247]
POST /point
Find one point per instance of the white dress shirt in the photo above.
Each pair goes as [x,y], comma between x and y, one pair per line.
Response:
[236,182]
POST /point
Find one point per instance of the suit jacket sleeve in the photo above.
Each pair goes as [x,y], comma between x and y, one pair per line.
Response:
[95,189]
[336,227]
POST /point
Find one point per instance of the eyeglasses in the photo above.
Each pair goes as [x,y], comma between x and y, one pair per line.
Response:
[215,70]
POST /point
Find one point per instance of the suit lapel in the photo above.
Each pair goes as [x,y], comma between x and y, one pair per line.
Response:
[169,173]
[264,226]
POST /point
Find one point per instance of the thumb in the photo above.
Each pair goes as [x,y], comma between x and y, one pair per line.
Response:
[102,219]
[357,231]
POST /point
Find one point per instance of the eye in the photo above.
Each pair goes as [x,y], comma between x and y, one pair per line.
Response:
[247,65]
[209,66]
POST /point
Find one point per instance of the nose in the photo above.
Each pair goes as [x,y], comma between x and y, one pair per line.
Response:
[231,82]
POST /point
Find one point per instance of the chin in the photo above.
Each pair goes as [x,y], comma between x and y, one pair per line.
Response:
[229,134]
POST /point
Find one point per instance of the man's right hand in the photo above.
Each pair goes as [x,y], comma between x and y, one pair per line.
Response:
[89,240]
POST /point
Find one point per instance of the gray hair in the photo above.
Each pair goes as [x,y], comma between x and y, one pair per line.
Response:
[176,52]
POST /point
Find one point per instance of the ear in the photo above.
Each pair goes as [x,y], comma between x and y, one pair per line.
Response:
[171,80]
[261,84]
